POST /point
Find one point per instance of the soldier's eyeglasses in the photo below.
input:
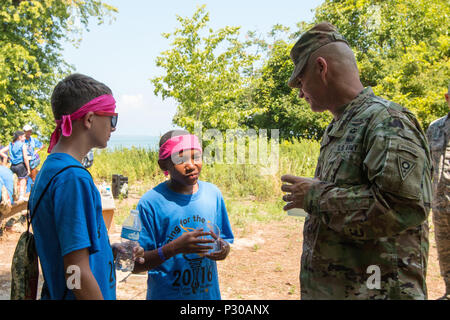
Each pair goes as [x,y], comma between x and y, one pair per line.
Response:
[114,117]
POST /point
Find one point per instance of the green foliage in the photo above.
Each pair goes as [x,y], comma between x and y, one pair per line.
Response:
[402,49]
[206,72]
[217,82]
[281,107]
[31,33]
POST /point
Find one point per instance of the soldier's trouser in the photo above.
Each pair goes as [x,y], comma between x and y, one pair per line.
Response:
[441,221]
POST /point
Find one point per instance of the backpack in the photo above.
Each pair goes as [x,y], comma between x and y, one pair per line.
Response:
[24,266]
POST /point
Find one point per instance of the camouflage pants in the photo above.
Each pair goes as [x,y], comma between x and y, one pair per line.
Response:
[441,221]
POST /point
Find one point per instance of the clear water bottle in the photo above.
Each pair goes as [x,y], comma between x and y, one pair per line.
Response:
[130,235]
[296,212]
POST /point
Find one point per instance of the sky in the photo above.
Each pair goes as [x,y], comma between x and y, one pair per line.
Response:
[122,54]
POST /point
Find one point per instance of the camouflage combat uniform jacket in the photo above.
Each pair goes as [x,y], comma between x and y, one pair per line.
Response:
[439,138]
[366,236]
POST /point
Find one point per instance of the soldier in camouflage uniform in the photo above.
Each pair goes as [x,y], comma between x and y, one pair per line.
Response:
[439,138]
[366,235]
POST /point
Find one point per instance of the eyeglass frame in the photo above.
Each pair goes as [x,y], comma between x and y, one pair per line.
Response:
[114,117]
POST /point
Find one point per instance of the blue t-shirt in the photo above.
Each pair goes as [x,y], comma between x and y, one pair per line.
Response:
[32,144]
[16,152]
[7,180]
[69,218]
[165,215]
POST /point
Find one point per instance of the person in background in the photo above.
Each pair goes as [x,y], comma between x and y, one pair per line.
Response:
[33,147]
[439,138]
[20,164]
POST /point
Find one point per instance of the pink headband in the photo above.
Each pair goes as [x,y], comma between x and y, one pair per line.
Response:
[104,103]
[177,144]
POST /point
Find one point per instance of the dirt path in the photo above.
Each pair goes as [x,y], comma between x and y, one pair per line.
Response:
[264,263]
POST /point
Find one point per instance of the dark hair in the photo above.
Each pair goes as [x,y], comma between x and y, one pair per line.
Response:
[71,93]
[17,134]
[171,134]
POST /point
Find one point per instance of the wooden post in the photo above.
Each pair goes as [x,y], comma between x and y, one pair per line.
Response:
[7,212]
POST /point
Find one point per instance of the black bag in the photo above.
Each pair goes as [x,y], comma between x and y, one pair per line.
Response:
[24,266]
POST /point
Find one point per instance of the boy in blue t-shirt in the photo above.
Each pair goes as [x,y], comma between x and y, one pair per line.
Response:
[175,215]
[72,242]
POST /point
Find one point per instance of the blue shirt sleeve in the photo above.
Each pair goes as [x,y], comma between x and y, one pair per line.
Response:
[75,215]
[223,221]
[37,144]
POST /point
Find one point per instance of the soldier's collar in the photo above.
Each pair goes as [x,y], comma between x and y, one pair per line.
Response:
[350,109]
[441,122]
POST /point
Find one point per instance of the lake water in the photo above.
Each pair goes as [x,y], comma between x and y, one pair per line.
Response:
[128,141]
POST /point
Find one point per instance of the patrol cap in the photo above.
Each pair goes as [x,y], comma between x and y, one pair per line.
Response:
[316,37]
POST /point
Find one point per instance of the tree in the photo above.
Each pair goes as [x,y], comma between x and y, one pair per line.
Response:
[402,48]
[207,73]
[30,56]
[280,106]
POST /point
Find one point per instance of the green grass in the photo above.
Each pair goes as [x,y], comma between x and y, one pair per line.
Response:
[122,211]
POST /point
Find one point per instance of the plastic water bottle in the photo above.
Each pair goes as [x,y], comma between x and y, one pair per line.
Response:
[130,235]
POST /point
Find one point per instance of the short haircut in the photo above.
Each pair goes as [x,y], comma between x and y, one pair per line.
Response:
[171,134]
[73,92]
[17,134]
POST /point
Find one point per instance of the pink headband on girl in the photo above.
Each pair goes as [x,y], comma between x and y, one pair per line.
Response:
[177,144]
[104,103]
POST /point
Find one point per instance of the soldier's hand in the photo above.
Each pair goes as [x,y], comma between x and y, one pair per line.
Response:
[297,188]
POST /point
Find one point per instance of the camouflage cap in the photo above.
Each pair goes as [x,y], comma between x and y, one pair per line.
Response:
[318,36]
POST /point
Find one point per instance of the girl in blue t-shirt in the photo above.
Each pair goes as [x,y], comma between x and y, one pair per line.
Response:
[181,247]
[20,164]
